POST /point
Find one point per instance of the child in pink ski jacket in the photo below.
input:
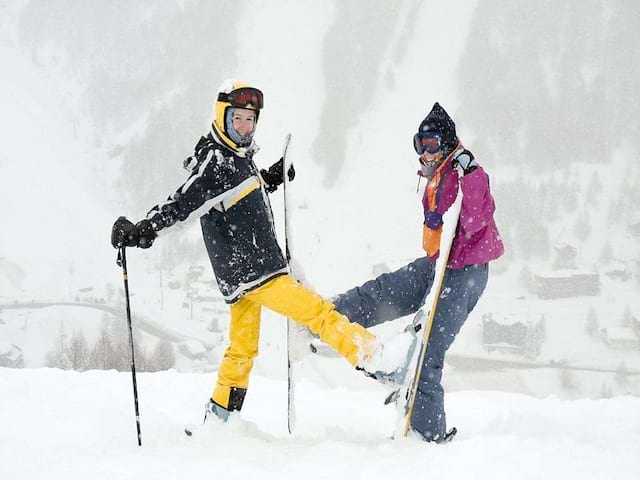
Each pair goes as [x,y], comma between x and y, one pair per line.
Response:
[476,243]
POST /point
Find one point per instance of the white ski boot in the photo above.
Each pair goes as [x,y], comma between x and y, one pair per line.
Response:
[212,413]
[389,362]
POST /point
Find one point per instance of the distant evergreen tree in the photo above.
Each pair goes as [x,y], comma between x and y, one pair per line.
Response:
[615,214]
[163,356]
[627,317]
[622,374]
[594,191]
[123,355]
[142,357]
[110,290]
[103,354]
[526,277]
[592,326]
[569,197]
[605,390]
[77,352]
[532,342]
[56,357]
[549,201]
[606,254]
[542,329]
[582,226]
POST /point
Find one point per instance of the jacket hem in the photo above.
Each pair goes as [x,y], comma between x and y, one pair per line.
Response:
[249,286]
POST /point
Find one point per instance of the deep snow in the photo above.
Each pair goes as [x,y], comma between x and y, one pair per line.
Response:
[59,424]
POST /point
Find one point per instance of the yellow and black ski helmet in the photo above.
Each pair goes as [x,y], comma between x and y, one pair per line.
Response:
[235,94]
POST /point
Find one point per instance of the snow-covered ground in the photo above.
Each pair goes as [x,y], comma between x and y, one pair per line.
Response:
[59,425]
[61,187]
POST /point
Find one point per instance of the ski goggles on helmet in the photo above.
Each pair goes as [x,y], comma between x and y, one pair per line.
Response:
[244,97]
[429,142]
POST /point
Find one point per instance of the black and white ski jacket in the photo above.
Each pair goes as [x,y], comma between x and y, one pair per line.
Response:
[226,192]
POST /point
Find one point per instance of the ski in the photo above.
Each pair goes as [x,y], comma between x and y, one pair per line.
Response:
[291,326]
[423,320]
[297,335]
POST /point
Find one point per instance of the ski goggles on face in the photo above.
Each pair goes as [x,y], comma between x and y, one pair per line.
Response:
[429,142]
[243,98]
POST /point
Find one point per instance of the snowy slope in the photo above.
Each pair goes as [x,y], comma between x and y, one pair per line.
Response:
[62,214]
[62,425]
[71,425]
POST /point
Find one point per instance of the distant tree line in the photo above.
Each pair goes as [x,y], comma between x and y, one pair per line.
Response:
[111,351]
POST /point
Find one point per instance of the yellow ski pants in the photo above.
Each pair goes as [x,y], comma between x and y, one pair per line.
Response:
[286,296]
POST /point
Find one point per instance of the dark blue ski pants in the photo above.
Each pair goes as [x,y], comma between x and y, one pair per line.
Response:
[396,294]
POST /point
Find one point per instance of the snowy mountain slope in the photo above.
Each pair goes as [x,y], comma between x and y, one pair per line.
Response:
[81,425]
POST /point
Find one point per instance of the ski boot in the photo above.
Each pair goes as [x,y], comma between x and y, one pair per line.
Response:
[438,440]
[212,411]
[211,408]
[447,437]
[390,361]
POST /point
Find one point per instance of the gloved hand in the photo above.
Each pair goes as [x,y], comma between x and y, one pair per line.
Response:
[146,233]
[466,161]
[124,233]
[274,177]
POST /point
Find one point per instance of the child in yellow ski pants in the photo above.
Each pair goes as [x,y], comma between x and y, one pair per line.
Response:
[283,295]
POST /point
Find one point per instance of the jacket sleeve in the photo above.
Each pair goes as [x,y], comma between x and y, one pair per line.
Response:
[205,188]
[478,205]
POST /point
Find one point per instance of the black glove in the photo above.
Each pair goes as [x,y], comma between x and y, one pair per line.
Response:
[146,233]
[124,234]
[274,177]
[466,161]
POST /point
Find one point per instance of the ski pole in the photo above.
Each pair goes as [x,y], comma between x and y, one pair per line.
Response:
[122,262]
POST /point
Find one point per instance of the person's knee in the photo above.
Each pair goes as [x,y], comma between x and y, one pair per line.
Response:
[423,268]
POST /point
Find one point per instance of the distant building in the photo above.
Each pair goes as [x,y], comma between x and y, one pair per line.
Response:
[11,355]
[620,338]
[513,332]
[192,349]
[566,284]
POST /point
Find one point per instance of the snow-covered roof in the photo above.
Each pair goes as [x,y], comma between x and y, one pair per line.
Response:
[620,333]
[194,347]
[509,318]
[564,273]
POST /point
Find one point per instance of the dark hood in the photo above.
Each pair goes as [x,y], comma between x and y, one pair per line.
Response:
[439,121]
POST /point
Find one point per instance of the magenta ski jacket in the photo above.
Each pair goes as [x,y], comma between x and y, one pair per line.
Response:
[477,239]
